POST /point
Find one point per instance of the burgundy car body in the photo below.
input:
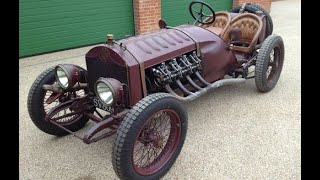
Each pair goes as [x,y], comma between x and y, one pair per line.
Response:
[127,63]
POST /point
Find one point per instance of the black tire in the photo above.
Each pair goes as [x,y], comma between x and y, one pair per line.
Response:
[252,8]
[269,63]
[130,130]
[36,108]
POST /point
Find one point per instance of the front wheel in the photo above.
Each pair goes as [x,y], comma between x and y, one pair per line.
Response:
[269,63]
[39,105]
[150,138]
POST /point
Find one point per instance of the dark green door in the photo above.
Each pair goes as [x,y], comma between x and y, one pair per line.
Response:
[50,25]
[176,12]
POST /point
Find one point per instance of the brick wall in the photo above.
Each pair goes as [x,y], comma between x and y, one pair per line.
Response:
[266,4]
[146,15]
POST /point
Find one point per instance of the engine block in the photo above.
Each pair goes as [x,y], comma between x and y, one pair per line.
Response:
[176,68]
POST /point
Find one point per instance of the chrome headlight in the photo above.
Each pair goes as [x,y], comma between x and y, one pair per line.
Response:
[67,75]
[108,90]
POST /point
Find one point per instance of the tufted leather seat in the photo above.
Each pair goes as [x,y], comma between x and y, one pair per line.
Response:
[250,26]
[220,24]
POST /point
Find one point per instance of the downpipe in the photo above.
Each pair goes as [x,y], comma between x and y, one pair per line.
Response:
[205,90]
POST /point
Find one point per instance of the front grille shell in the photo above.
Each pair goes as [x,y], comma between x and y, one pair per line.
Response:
[104,66]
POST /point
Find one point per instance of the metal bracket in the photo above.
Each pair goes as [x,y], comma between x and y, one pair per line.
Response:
[111,122]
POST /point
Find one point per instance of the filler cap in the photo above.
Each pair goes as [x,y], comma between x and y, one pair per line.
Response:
[110,39]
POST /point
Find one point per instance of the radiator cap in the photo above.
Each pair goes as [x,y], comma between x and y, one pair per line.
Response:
[110,39]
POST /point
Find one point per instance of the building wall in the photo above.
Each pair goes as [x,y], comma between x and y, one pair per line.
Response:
[148,12]
[146,15]
[176,12]
[45,26]
[53,25]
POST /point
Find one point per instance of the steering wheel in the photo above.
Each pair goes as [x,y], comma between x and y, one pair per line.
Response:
[198,15]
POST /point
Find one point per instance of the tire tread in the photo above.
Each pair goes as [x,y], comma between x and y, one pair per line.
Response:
[35,105]
[128,124]
[263,54]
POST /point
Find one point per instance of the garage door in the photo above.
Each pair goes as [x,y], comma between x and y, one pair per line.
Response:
[177,12]
[50,25]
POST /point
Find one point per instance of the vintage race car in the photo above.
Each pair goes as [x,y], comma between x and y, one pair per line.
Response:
[135,87]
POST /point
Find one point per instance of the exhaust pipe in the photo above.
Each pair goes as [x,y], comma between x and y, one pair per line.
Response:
[204,82]
[205,90]
[193,84]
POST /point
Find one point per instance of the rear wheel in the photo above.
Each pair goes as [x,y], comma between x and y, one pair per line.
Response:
[150,138]
[252,8]
[269,63]
[39,105]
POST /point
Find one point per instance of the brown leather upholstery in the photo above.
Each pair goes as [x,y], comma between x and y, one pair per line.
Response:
[218,31]
[220,24]
[250,26]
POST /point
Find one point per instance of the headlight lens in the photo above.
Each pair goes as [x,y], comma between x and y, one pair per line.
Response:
[104,92]
[108,90]
[67,75]
[62,77]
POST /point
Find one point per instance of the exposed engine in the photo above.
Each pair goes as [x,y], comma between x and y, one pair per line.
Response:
[176,68]
[173,71]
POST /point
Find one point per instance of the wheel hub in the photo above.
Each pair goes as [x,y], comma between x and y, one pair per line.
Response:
[152,137]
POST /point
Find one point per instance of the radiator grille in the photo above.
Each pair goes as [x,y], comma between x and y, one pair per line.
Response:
[106,67]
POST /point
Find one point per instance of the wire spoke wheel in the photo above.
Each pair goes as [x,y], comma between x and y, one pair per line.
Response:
[156,141]
[63,98]
[40,102]
[150,138]
[273,64]
[269,63]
